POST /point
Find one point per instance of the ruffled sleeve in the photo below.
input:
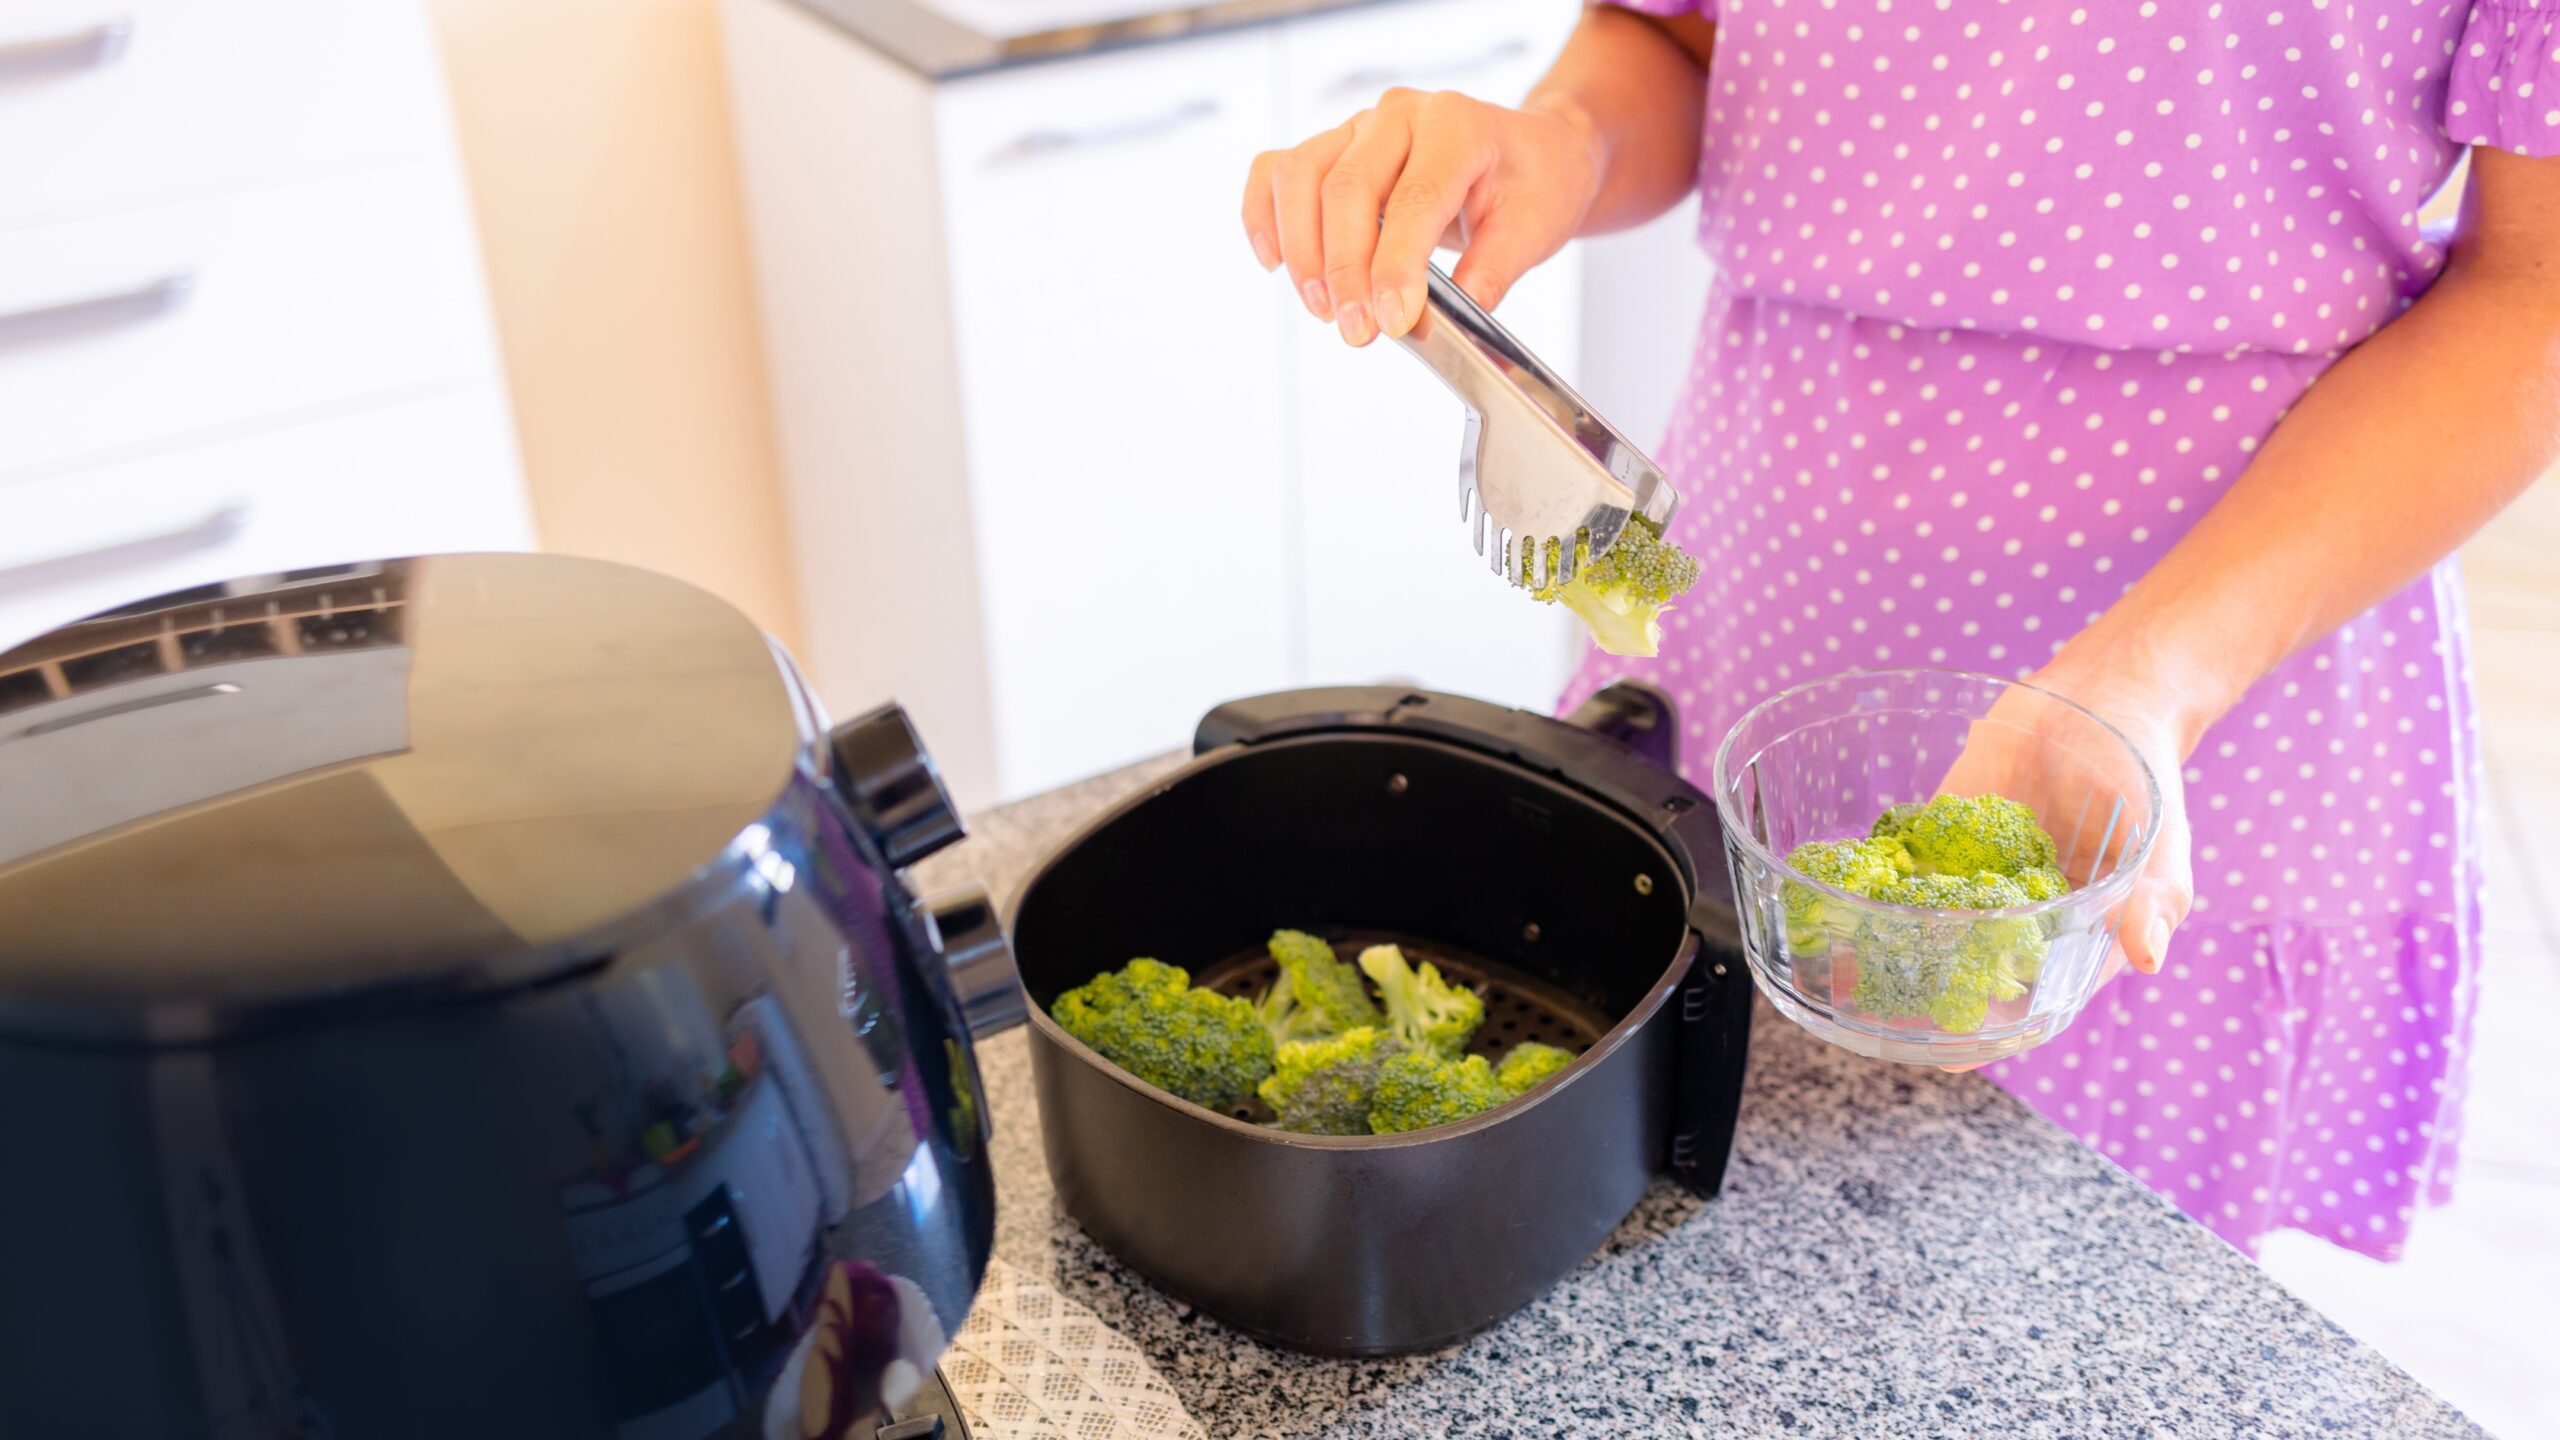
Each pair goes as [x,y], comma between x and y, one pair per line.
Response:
[2504,87]
[1706,8]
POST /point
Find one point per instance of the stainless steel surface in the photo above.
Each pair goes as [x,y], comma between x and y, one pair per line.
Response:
[92,312]
[84,48]
[1542,481]
[449,997]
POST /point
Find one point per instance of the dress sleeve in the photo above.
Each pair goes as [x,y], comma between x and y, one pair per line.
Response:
[1703,8]
[2504,87]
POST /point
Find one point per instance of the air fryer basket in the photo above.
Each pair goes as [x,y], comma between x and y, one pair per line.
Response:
[1547,862]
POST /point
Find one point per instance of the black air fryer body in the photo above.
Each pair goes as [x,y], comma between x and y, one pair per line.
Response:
[470,996]
[1568,857]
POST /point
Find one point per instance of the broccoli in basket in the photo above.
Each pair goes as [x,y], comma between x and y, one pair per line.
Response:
[1148,1019]
[1424,1011]
[1316,1049]
[1322,1087]
[1318,993]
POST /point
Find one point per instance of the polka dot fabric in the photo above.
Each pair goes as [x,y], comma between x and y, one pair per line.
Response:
[2006,294]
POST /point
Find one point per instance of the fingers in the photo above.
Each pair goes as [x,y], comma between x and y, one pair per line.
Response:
[1450,153]
[1353,192]
[1502,248]
[1261,225]
[1292,181]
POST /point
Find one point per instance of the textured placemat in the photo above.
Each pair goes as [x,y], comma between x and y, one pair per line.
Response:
[1031,1364]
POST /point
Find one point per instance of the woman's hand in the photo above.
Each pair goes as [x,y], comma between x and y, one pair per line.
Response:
[2011,759]
[1354,212]
[2155,720]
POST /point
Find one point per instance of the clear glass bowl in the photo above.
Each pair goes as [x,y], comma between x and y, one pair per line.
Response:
[1822,760]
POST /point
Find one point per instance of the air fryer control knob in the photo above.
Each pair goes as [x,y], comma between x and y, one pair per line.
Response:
[884,774]
[971,939]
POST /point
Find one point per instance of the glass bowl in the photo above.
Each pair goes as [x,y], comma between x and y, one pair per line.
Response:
[1931,987]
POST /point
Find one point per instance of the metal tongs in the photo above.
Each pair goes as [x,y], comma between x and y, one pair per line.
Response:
[1543,483]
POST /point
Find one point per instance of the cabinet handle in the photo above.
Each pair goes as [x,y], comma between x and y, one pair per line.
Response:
[129,707]
[94,312]
[1033,144]
[211,528]
[1376,79]
[89,48]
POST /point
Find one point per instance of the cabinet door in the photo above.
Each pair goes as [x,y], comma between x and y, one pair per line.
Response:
[1398,592]
[1120,362]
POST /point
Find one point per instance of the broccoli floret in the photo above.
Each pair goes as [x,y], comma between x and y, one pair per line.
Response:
[1968,834]
[1896,819]
[1424,1011]
[1317,994]
[1146,1018]
[2042,882]
[1946,966]
[1322,1087]
[1529,1063]
[1861,867]
[1620,595]
[1418,1089]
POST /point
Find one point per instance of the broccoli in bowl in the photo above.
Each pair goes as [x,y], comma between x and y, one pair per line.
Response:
[1950,857]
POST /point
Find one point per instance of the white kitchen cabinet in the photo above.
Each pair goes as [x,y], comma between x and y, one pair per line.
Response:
[1125,473]
[103,102]
[1066,469]
[242,321]
[273,304]
[410,477]
[1399,592]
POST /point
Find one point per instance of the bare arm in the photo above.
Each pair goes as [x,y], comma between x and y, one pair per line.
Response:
[2400,451]
[1609,138]
[1636,85]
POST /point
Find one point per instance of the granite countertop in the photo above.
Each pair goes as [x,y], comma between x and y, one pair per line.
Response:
[1897,1252]
[945,39]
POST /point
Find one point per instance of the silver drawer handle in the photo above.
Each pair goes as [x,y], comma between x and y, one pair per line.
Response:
[129,707]
[1373,81]
[210,528]
[95,312]
[1035,143]
[89,48]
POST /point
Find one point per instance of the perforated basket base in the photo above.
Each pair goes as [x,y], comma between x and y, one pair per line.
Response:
[1517,1006]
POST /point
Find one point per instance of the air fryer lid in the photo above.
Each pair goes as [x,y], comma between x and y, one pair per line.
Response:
[440,772]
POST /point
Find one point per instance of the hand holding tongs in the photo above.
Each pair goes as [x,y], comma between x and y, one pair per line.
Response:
[1543,483]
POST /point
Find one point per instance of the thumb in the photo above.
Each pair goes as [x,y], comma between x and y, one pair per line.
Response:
[2160,899]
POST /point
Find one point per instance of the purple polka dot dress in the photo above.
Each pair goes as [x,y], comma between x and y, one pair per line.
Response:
[2007,292]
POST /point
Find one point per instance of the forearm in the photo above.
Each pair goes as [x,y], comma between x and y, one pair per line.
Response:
[1636,87]
[2399,452]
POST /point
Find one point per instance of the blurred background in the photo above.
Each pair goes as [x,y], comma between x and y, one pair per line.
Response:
[927,335]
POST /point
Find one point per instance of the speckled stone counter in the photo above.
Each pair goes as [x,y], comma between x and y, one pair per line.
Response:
[1897,1253]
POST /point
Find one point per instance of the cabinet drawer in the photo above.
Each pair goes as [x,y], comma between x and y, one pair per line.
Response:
[150,328]
[431,474]
[113,102]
